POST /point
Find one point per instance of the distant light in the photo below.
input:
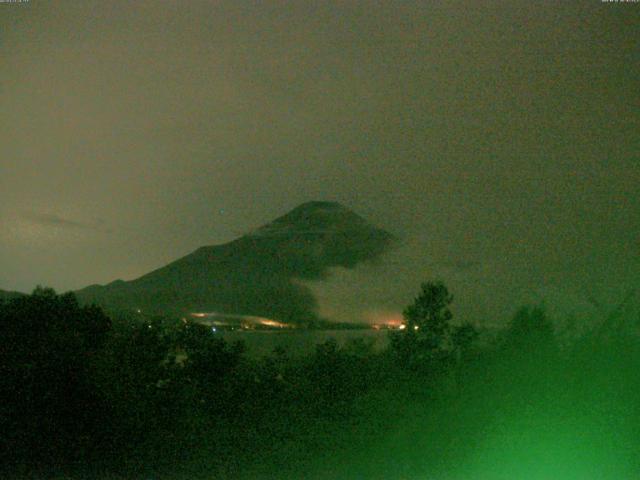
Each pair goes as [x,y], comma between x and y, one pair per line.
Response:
[416,327]
[138,310]
[213,329]
[271,323]
[402,326]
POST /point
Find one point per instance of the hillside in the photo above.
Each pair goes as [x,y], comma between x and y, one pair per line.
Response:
[7,295]
[255,274]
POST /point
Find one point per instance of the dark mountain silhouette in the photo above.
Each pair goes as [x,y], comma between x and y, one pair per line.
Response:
[255,274]
[6,295]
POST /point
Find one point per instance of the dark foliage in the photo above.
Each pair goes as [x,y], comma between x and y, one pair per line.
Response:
[139,397]
[425,344]
[48,343]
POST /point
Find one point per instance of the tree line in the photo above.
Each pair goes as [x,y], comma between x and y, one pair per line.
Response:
[89,395]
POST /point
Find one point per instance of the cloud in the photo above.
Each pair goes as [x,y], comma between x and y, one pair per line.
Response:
[53,220]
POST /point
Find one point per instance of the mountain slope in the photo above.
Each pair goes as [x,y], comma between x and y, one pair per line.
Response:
[6,295]
[255,274]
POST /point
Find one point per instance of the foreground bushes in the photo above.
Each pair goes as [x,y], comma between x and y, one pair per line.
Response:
[87,396]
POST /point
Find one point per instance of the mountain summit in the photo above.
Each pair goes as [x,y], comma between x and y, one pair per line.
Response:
[255,274]
[312,217]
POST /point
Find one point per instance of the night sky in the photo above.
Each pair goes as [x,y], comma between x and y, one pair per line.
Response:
[500,141]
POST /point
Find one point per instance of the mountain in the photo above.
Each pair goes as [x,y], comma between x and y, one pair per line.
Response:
[5,295]
[258,273]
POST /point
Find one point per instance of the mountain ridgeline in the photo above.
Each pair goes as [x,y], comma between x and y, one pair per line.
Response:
[6,295]
[257,273]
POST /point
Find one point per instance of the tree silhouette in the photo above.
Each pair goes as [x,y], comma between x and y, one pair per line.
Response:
[426,335]
[47,344]
[429,315]
[530,330]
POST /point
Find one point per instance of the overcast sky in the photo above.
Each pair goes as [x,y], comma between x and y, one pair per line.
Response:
[499,140]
